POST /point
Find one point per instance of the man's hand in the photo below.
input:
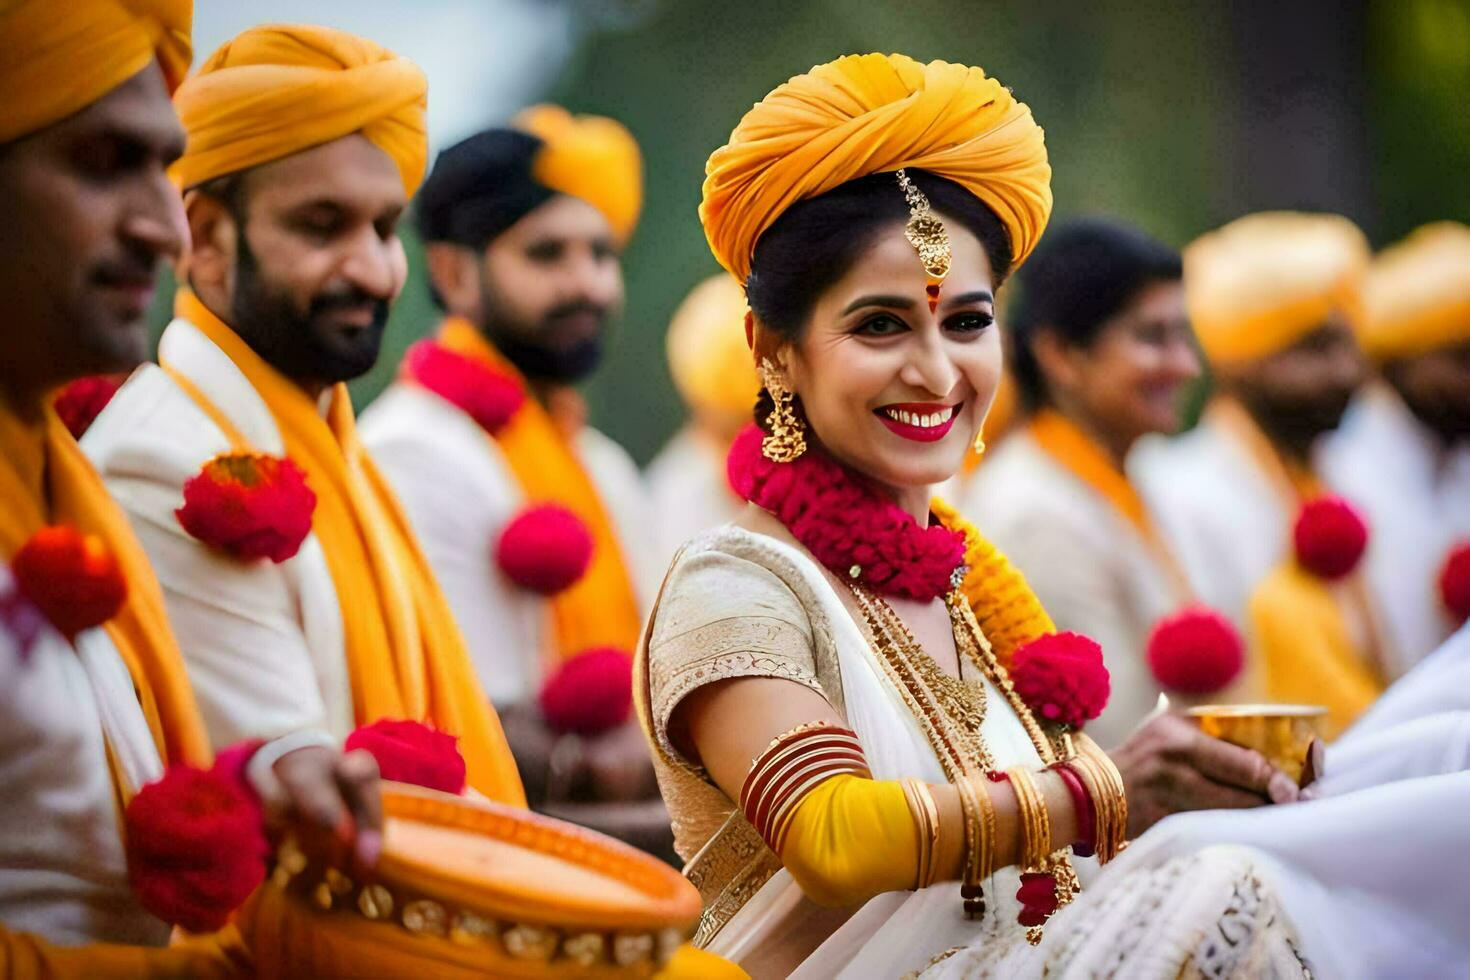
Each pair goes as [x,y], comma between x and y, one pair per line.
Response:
[1170,766]
[333,800]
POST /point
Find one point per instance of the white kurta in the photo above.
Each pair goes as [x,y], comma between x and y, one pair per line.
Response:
[63,873]
[1416,495]
[1091,569]
[689,490]
[459,492]
[263,643]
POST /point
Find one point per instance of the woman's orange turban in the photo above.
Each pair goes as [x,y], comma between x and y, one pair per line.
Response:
[590,157]
[873,113]
[58,61]
[280,89]
[1417,297]
[1263,282]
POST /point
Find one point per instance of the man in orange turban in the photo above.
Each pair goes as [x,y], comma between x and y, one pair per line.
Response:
[301,609]
[530,518]
[94,699]
[1403,451]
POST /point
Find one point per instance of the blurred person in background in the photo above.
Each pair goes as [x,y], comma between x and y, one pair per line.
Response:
[709,360]
[535,523]
[1403,450]
[1274,299]
[1101,352]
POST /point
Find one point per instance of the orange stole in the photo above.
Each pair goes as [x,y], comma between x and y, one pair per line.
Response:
[600,609]
[405,655]
[45,479]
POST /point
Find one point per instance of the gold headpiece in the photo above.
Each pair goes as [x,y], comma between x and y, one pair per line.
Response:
[927,234]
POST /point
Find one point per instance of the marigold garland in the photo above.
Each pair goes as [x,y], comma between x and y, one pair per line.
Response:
[250,505]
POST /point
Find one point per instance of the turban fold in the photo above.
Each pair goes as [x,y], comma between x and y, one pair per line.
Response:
[1417,295]
[712,365]
[58,61]
[590,157]
[1265,281]
[280,89]
[873,113]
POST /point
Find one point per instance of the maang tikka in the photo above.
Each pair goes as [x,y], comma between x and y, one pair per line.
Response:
[927,234]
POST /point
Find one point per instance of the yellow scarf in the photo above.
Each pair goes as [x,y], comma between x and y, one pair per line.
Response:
[601,608]
[45,479]
[405,655]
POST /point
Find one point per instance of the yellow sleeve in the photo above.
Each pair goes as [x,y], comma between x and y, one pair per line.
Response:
[852,838]
[24,956]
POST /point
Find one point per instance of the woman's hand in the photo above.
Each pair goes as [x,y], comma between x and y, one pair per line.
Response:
[1170,766]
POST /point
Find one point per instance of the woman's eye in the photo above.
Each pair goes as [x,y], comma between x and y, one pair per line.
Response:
[970,322]
[881,326]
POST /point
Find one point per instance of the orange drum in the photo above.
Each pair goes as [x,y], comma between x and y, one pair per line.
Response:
[469,888]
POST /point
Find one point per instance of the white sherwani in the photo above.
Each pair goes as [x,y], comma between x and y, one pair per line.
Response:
[64,872]
[459,493]
[689,490]
[1416,494]
[1091,569]
[263,642]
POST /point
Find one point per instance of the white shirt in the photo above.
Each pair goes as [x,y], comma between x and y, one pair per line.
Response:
[689,490]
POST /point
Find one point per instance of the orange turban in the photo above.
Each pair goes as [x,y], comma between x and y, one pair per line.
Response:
[712,365]
[57,62]
[873,113]
[1417,297]
[1265,281]
[280,89]
[590,157]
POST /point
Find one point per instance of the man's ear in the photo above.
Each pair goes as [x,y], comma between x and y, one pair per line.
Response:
[454,271]
[213,237]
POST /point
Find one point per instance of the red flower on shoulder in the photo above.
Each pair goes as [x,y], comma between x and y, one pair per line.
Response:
[545,548]
[488,396]
[1195,651]
[1330,537]
[589,693]
[196,847]
[412,752]
[1062,678]
[71,577]
[250,505]
[80,402]
[1454,582]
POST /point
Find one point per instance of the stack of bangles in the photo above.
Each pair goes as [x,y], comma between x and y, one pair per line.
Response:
[1102,809]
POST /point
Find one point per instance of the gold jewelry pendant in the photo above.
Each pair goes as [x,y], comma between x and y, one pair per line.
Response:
[785,439]
[927,234]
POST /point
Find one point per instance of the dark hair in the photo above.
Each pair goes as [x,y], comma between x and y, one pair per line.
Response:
[816,241]
[479,187]
[1080,276]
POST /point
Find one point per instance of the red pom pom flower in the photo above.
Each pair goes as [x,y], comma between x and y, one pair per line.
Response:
[412,752]
[589,693]
[196,847]
[71,577]
[486,395]
[1195,651]
[249,505]
[80,402]
[1454,582]
[1330,537]
[1061,677]
[545,548]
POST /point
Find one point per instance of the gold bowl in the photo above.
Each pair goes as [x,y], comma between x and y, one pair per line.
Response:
[1283,733]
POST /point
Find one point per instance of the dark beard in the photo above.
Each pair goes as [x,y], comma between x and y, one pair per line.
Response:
[538,361]
[295,343]
[1297,424]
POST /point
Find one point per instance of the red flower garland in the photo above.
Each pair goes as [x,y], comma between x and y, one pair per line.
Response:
[1454,582]
[845,524]
[488,396]
[1195,651]
[79,403]
[71,577]
[196,846]
[545,548]
[249,505]
[412,752]
[589,693]
[1061,677]
[1330,537]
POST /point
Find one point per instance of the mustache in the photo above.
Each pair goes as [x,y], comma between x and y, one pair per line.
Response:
[133,265]
[575,308]
[348,298]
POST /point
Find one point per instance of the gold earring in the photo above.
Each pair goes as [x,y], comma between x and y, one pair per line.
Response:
[786,440]
[980,444]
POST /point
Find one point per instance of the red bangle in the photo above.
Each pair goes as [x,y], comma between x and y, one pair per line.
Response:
[1086,843]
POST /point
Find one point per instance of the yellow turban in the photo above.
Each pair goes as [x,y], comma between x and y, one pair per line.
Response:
[1417,297]
[58,61]
[590,157]
[712,365]
[1263,282]
[873,113]
[280,89]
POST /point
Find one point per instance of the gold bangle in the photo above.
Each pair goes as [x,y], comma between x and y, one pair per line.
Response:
[1105,785]
[926,821]
[1035,821]
[979,814]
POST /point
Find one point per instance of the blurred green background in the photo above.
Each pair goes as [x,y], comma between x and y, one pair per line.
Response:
[1176,116]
